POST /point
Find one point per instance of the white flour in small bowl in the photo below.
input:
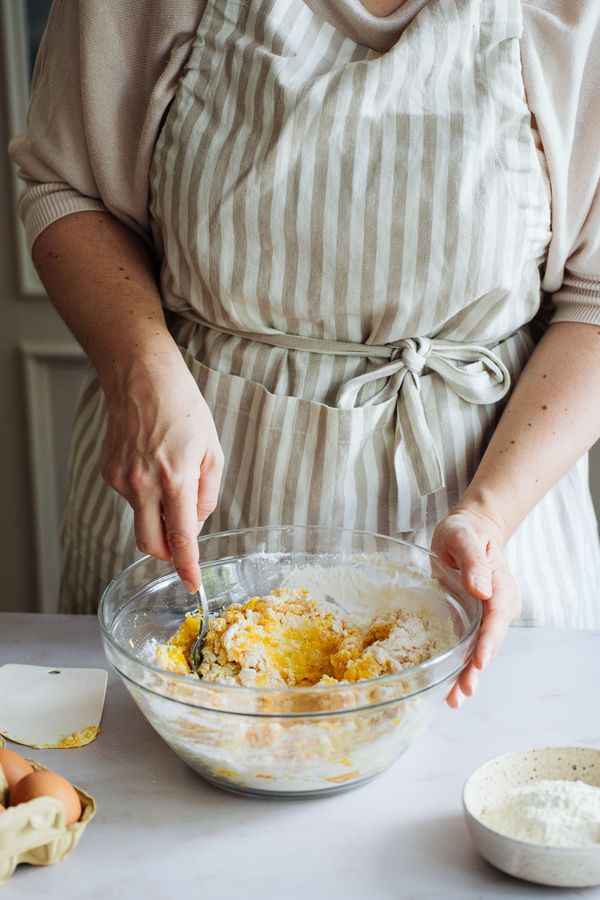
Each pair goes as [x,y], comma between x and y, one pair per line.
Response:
[555,813]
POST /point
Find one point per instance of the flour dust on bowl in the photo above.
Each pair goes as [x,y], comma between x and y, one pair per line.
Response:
[324,735]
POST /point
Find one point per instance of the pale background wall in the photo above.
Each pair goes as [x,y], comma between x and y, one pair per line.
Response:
[36,352]
[36,402]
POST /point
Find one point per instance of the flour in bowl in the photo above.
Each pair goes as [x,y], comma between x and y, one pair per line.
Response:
[555,813]
[331,721]
[289,639]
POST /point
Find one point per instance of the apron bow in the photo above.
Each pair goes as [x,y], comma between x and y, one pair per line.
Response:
[472,371]
[414,355]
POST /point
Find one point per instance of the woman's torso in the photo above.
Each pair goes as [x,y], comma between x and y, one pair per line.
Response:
[304,184]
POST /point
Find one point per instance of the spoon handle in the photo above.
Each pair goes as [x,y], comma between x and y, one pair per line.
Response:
[197,646]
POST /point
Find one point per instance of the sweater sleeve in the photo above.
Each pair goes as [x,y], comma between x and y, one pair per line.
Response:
[561,73]
[104,76]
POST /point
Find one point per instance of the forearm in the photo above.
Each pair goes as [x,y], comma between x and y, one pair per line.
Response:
[552,418]
[100,277]
[161,450]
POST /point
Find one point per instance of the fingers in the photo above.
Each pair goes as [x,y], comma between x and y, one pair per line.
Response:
[468,680]
[162,454]
[498,613]
[181,529]
[465,686]
[149,527]
[170,509]
[472,545]
[136,484]
[469,552]
[455,698]
[208,487]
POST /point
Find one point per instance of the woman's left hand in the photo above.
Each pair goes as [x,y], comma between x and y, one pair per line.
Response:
[472,542]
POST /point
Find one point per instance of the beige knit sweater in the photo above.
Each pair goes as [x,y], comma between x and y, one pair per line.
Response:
[107,71]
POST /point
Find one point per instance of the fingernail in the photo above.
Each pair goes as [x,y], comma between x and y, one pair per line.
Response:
[486,660]
[190,588]
[460,700]
[483,585]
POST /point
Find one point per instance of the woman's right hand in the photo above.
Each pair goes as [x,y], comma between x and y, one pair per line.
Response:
[161,450]
[162,454]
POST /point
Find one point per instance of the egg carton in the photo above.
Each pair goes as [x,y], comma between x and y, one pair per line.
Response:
[36,832]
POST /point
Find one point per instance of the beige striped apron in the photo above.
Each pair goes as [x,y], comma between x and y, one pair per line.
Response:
[350,246]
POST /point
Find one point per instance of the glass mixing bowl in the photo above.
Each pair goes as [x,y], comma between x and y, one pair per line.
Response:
[303,741]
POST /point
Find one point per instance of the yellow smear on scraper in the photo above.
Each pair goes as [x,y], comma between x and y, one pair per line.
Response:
[65,742]
[75,739]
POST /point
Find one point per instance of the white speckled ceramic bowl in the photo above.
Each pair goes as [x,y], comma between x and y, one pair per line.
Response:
[543,864]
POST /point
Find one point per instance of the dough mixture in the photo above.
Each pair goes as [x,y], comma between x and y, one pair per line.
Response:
[289,639]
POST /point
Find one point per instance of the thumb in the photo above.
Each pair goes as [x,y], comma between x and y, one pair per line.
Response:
[468,550]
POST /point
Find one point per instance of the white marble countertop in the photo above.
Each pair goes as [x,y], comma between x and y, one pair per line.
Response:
[162,833]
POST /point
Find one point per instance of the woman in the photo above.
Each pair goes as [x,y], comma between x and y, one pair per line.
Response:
[351,213]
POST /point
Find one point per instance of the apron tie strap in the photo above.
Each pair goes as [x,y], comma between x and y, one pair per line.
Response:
[406,361]
[485,383]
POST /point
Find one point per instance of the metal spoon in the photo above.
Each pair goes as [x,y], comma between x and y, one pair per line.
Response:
[197,647]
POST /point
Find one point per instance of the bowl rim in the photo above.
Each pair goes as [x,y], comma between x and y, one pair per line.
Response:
[546,848]
[282,691]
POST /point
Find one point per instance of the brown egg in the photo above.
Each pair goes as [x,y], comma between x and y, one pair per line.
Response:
[48,784]
[2,808]
[14,766]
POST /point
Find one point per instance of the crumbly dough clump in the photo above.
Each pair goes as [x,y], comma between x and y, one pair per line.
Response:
[289,639]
